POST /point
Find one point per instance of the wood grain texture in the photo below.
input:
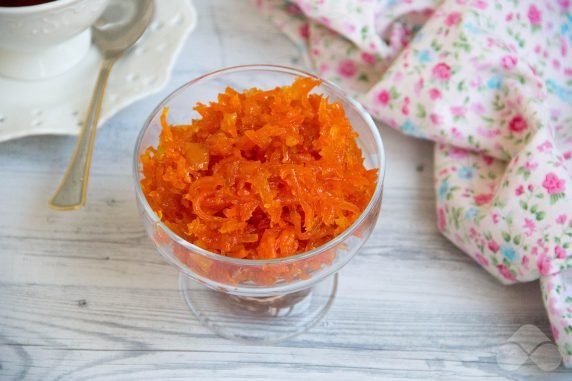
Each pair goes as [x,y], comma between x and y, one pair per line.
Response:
[84,295]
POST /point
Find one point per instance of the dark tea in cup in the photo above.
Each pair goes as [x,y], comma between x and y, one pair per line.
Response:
[22,3]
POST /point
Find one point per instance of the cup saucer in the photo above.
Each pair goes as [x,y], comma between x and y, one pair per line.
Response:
[56,106]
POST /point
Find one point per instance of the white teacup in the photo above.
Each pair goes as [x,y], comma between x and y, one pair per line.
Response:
[42,41]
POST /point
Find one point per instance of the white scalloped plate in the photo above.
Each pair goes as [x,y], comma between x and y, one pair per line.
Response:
[56,106]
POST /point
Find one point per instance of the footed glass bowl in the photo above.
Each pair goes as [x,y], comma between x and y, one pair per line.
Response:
[259,301]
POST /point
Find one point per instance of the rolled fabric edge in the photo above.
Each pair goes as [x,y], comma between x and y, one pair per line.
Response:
[557,297]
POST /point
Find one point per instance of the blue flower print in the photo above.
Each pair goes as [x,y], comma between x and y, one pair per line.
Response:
[495,82]
[560,91]
[409,128]
[465,173]
[508,252]
[471,214]
[443,189]
[424,56]
[471,28]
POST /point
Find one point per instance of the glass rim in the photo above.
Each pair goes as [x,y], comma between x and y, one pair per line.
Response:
[258,262]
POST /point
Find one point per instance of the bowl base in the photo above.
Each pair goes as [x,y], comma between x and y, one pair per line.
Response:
[259,320]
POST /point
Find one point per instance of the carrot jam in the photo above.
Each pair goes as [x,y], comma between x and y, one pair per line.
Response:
[260,174]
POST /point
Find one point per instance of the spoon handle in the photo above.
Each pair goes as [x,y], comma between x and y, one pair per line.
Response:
[71,193]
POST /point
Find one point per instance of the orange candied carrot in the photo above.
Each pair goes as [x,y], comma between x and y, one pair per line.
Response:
[260,174]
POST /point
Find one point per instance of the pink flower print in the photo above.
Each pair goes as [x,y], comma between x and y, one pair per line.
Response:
[555,114]
[555,332]
[478,108]
[350,28]
[458,153]
[324,68]
[556,64]
[529,227]
[304,31]
[442,220]
[427,12]
[519,190]
[368,58]
[567,155]
[508,17]
[546,146]
[530,187]
[518,124]
[534,16]
[488,133]
[435,119]
[452,19]
[347,68]
[543,264]
[563,47]
[456,133]
[458,111]
[293,9]
[396,35]
[505,272]
[480,4]
[530,165]
[481,260]
[525,262]
[561,219]
[442,71]
[434,94]
[508,62]
[553,307]
[477,81]
[488,159]
[560,252]
[419,86]
[392,123]
[540,243]
[564,4]
[483,198]
[325,20]
[383,97]
[496,218]
[553,184]
[493,246]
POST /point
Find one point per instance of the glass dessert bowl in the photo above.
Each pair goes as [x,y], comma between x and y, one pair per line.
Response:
[258,301]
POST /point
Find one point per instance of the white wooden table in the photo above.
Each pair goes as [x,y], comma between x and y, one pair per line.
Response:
[84,295]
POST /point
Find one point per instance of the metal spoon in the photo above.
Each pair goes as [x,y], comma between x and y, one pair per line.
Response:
[119,27]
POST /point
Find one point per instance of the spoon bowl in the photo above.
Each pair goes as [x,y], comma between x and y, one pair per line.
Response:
[121,25]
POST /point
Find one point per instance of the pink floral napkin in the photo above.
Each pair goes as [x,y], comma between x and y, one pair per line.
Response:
[491,83]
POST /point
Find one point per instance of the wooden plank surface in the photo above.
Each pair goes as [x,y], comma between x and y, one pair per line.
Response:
[84,295]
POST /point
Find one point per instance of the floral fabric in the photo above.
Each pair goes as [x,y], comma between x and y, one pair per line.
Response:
[491,83]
